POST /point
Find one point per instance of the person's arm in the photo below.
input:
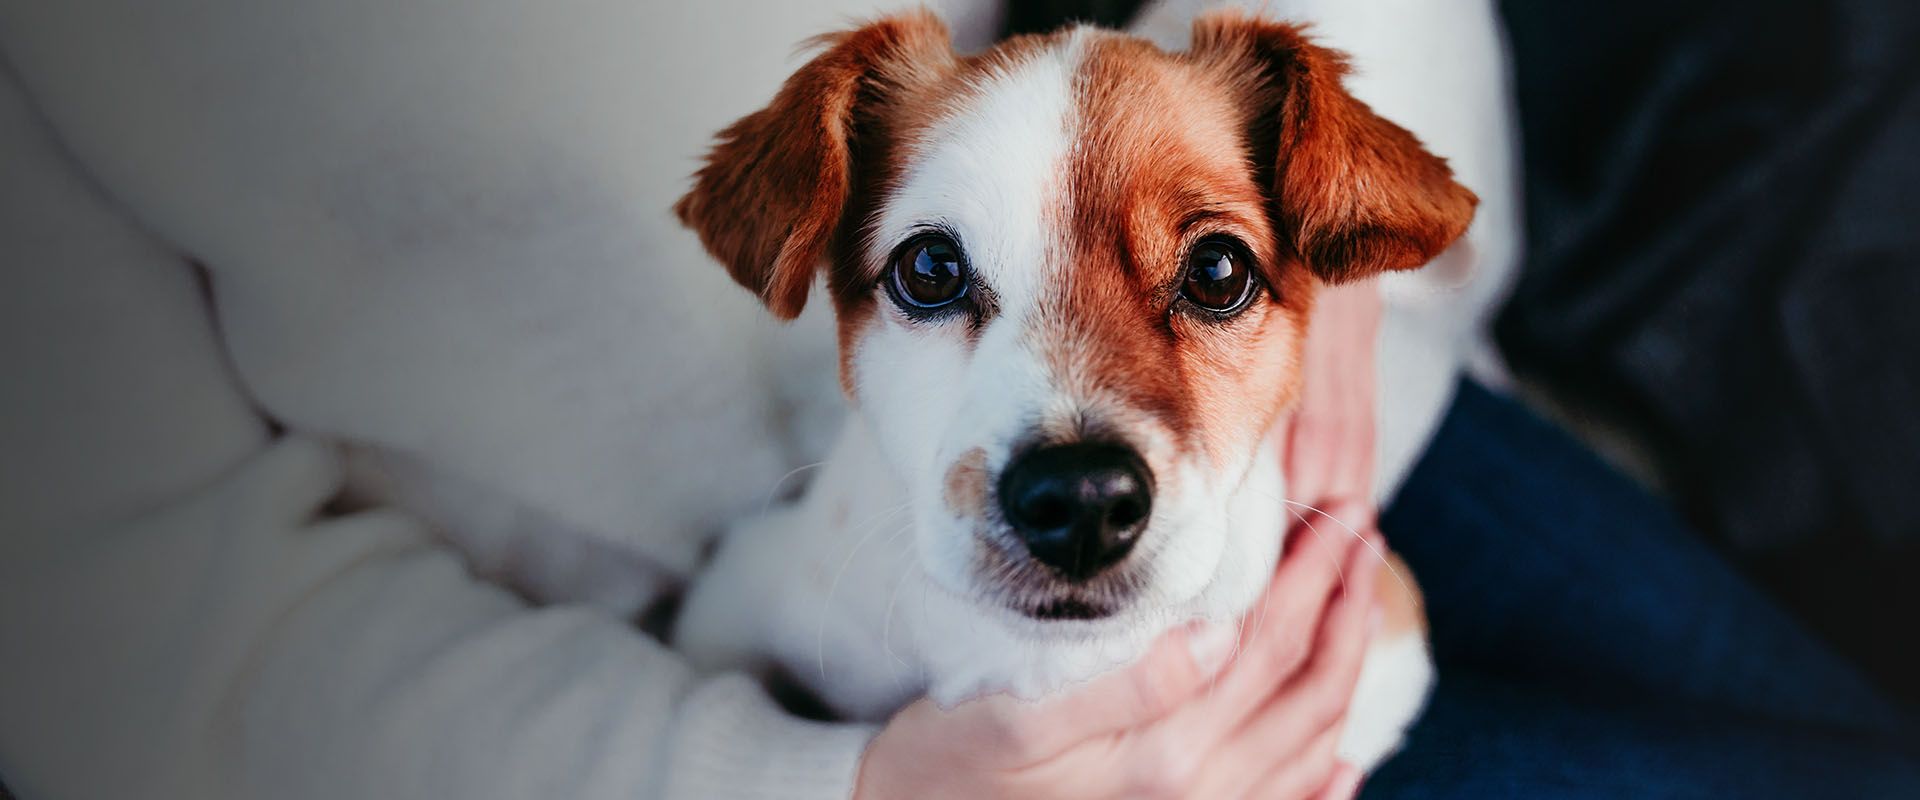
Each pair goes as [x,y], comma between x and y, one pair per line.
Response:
[183,617]
[179,617]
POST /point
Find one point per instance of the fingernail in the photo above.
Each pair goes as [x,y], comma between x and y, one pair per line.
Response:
[1211,643]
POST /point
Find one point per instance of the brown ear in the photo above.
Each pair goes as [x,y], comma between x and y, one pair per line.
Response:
[1356,194]
[770,198]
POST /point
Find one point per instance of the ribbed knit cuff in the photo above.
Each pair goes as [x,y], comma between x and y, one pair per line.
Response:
[734,742]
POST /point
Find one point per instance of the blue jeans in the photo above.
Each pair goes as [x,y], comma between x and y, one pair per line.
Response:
[1590,645]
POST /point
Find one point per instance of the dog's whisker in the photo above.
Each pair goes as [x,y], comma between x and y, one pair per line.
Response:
[895,536]
[766,503]
[925,676]
[886,624]
[873,526]
[1331,555]
[1378,556]
[1259,624]
[1233,652]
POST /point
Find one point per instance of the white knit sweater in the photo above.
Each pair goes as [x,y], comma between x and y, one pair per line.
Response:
[439,232]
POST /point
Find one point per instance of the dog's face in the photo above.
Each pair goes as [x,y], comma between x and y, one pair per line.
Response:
[1072,278]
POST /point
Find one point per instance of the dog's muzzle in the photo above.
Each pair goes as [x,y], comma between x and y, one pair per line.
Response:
[1078,507]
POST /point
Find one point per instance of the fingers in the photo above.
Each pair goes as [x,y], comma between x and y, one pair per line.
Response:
[1350,517]
[1329,455]
[1287,676]
[1320,693]
[1177,669]
[1301,722]
[1344,634]
[1347,517]
[1330,434]
[1305,776]
[1313,566]
[1275,639]
[1344,785]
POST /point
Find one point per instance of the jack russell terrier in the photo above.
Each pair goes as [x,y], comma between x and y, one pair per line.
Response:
[1071,277]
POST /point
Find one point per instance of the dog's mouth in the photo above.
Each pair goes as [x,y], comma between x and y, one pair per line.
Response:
[1067,609]
[1012,579]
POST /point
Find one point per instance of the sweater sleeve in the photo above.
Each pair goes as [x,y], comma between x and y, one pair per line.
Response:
[181,615]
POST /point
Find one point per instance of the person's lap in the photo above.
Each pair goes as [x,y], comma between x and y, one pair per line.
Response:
[1590,645]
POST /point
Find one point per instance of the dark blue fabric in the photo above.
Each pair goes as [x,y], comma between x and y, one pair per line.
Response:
[1722,259]
[1590,645]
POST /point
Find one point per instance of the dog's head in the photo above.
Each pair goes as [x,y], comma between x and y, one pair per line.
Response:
[1072,276]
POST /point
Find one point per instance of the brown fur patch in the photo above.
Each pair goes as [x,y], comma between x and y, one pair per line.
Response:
[1355,194]
[1250,134]
[772,197]
[786,188]
[1162,162]
[966,485]
[888,129]
[1403,609]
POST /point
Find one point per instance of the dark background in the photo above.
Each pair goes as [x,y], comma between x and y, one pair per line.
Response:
[1724,261]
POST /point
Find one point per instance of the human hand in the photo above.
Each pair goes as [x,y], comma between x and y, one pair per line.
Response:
[1214,711]
[1329,456]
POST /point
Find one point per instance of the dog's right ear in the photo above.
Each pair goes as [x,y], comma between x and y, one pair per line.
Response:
[1354,193]
[770,198]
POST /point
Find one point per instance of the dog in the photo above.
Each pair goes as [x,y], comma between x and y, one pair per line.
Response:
[1071,279]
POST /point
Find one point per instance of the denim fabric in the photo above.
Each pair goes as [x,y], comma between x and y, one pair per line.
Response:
[1590,645]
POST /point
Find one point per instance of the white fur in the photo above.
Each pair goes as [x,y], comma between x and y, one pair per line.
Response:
[831,592]
[990,174]
[1394,682]
[867,591]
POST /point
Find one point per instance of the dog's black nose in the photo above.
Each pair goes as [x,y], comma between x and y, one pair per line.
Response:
[1079,507]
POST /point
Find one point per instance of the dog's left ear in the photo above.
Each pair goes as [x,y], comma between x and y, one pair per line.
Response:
[1355,194]
[771,196]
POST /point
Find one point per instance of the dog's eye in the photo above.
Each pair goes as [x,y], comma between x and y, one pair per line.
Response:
[929,273]
[1219,277]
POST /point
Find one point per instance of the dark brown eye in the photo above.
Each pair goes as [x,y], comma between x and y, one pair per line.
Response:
[1219,277]
[929,272]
